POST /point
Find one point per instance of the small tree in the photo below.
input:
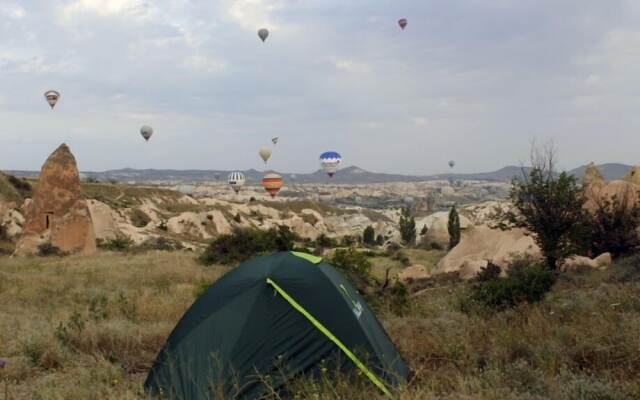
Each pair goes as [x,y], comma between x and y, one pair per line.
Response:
[614,225]
[424,230]
[454,228]
[549,205]
[369,236]
[407,226]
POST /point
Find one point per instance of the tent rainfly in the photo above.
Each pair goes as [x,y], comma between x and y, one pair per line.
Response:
[283,315]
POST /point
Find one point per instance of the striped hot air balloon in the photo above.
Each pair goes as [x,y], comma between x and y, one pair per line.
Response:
[272,183]
[236,181]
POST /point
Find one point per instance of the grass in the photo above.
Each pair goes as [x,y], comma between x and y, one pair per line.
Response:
[78,327]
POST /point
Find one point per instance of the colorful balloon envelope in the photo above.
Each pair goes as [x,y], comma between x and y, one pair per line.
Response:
[402,22]
[263,34]
[236,181]
[330,162]
[52,97]
[146,131]
[272,183]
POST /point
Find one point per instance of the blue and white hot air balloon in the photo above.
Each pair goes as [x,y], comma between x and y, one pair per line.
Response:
[330,161]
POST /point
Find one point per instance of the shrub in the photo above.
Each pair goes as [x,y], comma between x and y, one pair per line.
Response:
[352,262]
[348,241]
[120,243]
[424,230]
[368,236]
[47,250]
[139,218]
[526,281]
[21,185]
[380,240]
[490,272]
[551,206]
[613,226]
[324,241]
[160,243]
[407,226]
[454,228]
[243,244]
[403,258]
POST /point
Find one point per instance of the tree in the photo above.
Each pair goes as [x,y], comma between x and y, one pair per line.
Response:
[454,228]
[407,226]
[613,225]
[550,205]
[369,236]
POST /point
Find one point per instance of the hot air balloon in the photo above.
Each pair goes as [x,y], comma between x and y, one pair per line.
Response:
[146,131]
[236,181]
[452,163]
[265,153]
[402,22]
[272,183]
[52,97]
[275,140]
[330,161]
[263,34]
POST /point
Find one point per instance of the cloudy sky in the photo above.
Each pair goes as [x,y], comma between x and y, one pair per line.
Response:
[471,80]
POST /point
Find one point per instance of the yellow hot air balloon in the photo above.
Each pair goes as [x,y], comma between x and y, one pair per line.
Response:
[265,153]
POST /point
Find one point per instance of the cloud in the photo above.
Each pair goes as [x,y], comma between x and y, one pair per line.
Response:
[483,77]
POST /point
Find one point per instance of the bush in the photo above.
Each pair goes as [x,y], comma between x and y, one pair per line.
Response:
[368,236]
[324,241]
[351,261]
[526,281]
[139,218]
[453,227]
[243,244]
[550,205]
[613,226]
[160,243]
[47,250]
[120,243]
[380,240]
[403,258]
[348,241]
[21,185]
[407,227]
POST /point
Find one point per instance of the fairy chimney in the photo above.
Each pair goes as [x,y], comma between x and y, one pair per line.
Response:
[592,176]
[633,176]
[58,213]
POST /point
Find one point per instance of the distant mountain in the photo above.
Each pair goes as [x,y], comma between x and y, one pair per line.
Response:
[610,171]
[348,175]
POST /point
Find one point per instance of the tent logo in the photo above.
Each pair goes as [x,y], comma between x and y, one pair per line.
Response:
[357,306]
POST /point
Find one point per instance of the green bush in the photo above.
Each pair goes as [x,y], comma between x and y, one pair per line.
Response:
[407,227]
[243,244]
[351,261]
[120,243]
[613,226]
[325,242]
[526,281]
[160,243]
[368,236]
[139,218]
[47,250]
[453,227]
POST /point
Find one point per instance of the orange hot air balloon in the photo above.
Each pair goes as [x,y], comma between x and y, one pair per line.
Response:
[272,183]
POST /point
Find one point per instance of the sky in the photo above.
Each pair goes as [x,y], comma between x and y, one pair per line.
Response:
[475,81]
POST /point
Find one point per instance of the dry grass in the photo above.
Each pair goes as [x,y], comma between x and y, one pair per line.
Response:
[80,328]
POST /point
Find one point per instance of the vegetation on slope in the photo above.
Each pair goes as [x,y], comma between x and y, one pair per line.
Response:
[78,328]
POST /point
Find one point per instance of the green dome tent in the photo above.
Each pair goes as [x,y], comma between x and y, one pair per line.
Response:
[280,316]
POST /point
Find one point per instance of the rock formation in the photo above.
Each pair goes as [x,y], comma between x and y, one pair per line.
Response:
[481,243]
[58,213]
